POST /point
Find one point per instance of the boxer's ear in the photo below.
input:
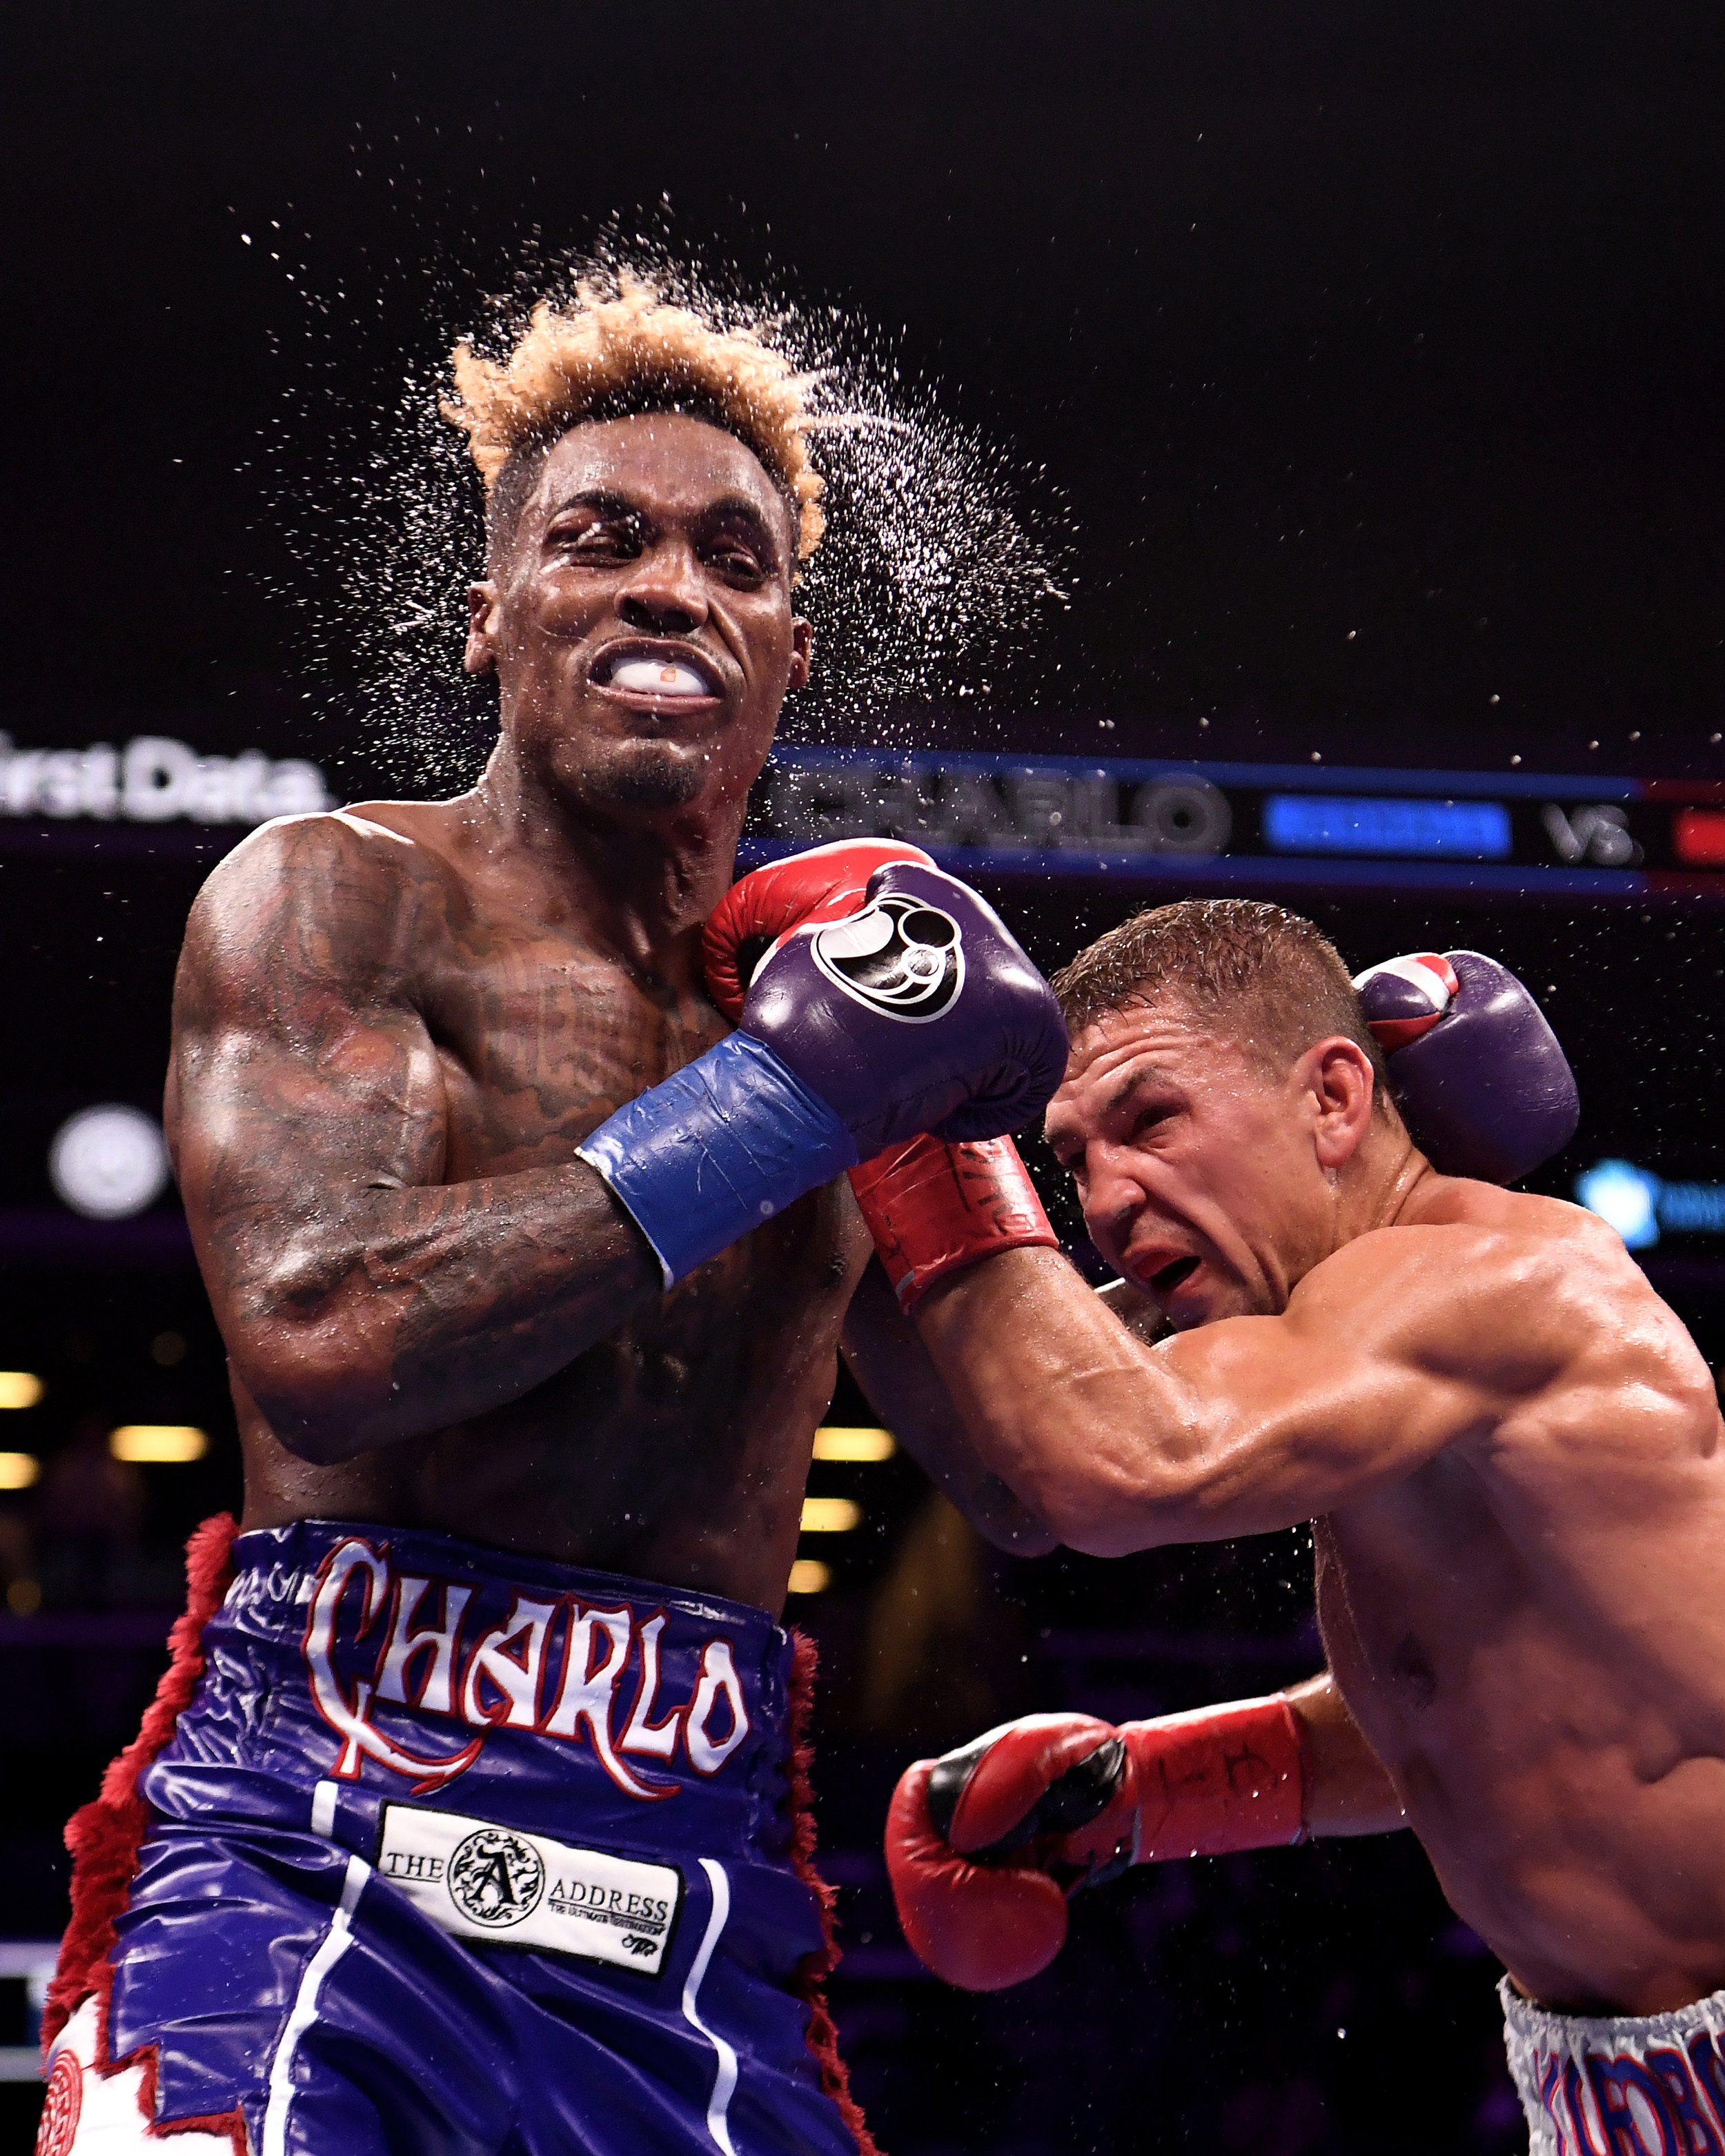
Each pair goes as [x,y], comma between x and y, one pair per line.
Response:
[1338,1078]
[481,655]
[801,653]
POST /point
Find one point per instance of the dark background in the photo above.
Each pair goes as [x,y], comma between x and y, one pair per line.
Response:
[1375,354]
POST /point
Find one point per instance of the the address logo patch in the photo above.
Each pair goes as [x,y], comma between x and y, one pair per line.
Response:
[899,957]
[482,1881]
[497,1878]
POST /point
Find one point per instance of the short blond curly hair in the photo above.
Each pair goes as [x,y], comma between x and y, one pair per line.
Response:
[595,357]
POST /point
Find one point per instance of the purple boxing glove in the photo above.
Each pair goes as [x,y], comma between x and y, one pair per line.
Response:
[916,1013]
[919,1012]
[1482,1085]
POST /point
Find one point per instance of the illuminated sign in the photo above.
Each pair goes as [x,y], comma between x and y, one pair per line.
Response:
[943,802]
[1364,824]
[1280,827]
[1698,836]
[1642,1206]
[154,780]
[1598,833]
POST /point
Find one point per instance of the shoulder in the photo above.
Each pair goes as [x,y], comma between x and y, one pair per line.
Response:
[325,864]
[1562,1296]
[351,890]
[1449,1220]
[1536,1278]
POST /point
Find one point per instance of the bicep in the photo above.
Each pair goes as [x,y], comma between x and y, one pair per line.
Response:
[265,1117]
[302,1071]
[1377,1364]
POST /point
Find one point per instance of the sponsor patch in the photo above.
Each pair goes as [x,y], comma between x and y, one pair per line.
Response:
[483,1882]
[899,957]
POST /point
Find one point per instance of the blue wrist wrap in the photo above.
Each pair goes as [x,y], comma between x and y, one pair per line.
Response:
[722,1145]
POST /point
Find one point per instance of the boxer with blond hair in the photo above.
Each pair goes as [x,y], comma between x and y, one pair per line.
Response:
[473,1813]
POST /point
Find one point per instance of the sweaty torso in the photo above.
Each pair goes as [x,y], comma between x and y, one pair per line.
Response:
[677,1447]
[1530,1629]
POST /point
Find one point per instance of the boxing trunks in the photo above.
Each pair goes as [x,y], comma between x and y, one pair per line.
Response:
[430,1848]
[1651,2085]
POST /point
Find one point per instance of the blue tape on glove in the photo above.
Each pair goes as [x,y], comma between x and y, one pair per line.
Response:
[722,1145]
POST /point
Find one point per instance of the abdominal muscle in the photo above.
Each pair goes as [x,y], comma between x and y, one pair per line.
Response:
[1564,1777]
[675,1451]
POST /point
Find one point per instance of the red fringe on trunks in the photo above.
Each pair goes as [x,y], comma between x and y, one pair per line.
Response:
[105,1836]
[817,1967]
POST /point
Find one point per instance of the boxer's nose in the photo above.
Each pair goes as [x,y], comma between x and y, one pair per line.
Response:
[1113,1196]
[664,597]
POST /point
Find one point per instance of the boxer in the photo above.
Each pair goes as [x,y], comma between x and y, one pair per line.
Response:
[1511,1449]
[471,1814]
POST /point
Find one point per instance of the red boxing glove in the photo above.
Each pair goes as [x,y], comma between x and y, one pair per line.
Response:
[983,1845]
[932,1207]
[824,884]
[980,1926]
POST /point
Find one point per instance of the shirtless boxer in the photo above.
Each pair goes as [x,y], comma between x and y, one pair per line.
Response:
[463,1820]
[1510,1449]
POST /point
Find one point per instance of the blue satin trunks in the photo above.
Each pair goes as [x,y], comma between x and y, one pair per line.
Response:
[458,1852]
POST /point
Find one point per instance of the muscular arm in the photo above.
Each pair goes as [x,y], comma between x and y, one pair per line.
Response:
[892,1367]
[362,1299]
[1400,1344]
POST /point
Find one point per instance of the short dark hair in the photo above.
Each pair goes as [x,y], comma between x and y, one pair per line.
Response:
[1279,979]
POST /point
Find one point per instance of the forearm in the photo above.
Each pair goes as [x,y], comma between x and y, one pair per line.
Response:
[892,1367]
[1071,1410]
[1349,1791]
[985,1844]
[385,1314]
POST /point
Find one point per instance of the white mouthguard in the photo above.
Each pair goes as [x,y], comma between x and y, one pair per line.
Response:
[655,677]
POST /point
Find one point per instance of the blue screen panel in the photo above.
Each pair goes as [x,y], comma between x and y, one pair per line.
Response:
[1357,823]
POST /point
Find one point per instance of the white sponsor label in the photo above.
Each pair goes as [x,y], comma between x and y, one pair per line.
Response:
[483,1882]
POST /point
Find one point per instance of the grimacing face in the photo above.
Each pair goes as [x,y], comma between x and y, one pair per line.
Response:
[1207,1180]
[639,620]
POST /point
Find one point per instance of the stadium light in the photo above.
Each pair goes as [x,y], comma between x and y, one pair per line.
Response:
[830,1516]
[109,1162]
[157,1444]
[841,1441]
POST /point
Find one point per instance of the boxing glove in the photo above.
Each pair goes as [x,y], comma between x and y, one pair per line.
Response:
[916,1011]
[931,1207]
[984,1845]
[802,889]
[1481,1083]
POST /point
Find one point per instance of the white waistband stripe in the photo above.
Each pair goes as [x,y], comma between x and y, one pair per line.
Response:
[725,2079]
